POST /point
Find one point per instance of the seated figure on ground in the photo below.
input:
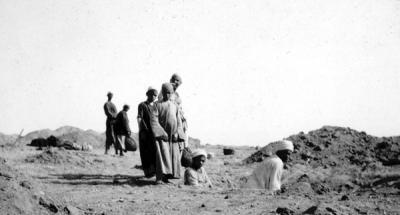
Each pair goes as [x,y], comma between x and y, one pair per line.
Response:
[196,175]
[268,175]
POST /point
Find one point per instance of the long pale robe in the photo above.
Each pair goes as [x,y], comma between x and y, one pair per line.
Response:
[267,175]
[178,101]
[168,152]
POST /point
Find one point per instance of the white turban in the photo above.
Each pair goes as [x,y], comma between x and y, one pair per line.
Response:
[280,145]
[198,152]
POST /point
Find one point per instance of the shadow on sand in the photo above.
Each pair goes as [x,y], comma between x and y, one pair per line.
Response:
[99,179]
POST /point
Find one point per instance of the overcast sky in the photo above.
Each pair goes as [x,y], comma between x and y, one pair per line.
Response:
[253,71]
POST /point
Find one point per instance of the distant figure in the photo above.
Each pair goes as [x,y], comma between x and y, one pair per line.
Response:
[147,110]
[268,175]
[176,81]
[167,150]
[122,129]
[111,112]
[196,175]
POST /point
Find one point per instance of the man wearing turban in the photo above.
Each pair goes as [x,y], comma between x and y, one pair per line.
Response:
[176,81]
[268,175]
[167,149]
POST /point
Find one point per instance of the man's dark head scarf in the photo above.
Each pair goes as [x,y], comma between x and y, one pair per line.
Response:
[125,107]
[176,77]
[151,91]
[167,88]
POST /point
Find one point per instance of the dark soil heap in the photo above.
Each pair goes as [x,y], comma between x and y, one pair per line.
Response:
[332,146]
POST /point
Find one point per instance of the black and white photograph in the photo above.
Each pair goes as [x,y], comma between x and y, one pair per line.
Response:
[200,107]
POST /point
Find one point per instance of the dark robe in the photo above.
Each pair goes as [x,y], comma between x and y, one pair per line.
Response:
[111,112]
[122,129]
[147,147]
[122,124]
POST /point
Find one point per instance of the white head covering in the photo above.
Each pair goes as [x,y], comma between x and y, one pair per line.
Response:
[198,152]
[280,145]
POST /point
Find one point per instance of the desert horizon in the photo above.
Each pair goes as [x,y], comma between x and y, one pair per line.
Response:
[68,128]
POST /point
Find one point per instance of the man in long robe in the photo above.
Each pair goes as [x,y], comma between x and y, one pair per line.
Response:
[176,81]
[268,175]
[111,112]
[147,110]
[167,149]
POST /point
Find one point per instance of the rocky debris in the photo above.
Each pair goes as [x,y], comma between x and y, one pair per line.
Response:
[60,156]
[20,194]
[320,210]
[71,210]
[228,151]
[39,142]
[344,198]
[320,188]
[330,146]
[311,210]
[48,204]
[53,141]
[284,211]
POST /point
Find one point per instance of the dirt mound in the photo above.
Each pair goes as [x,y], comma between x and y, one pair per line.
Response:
[339,160]
[60,156]
[194,143]
[69,133]
[7,139]
[79,136]
[332,146]
[20,194]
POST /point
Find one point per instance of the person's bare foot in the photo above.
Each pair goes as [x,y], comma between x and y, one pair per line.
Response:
[159,182]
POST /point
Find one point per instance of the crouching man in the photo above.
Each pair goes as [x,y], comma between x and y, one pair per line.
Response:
[268,175]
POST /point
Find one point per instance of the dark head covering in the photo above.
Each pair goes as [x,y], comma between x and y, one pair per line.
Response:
[151,91]
[109,93]
[126,107]
[167,87]
[176,77]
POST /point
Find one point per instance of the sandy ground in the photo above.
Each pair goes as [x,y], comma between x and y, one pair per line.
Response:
[95,183]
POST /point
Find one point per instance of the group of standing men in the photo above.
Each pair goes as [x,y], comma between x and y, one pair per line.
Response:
[162,130]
